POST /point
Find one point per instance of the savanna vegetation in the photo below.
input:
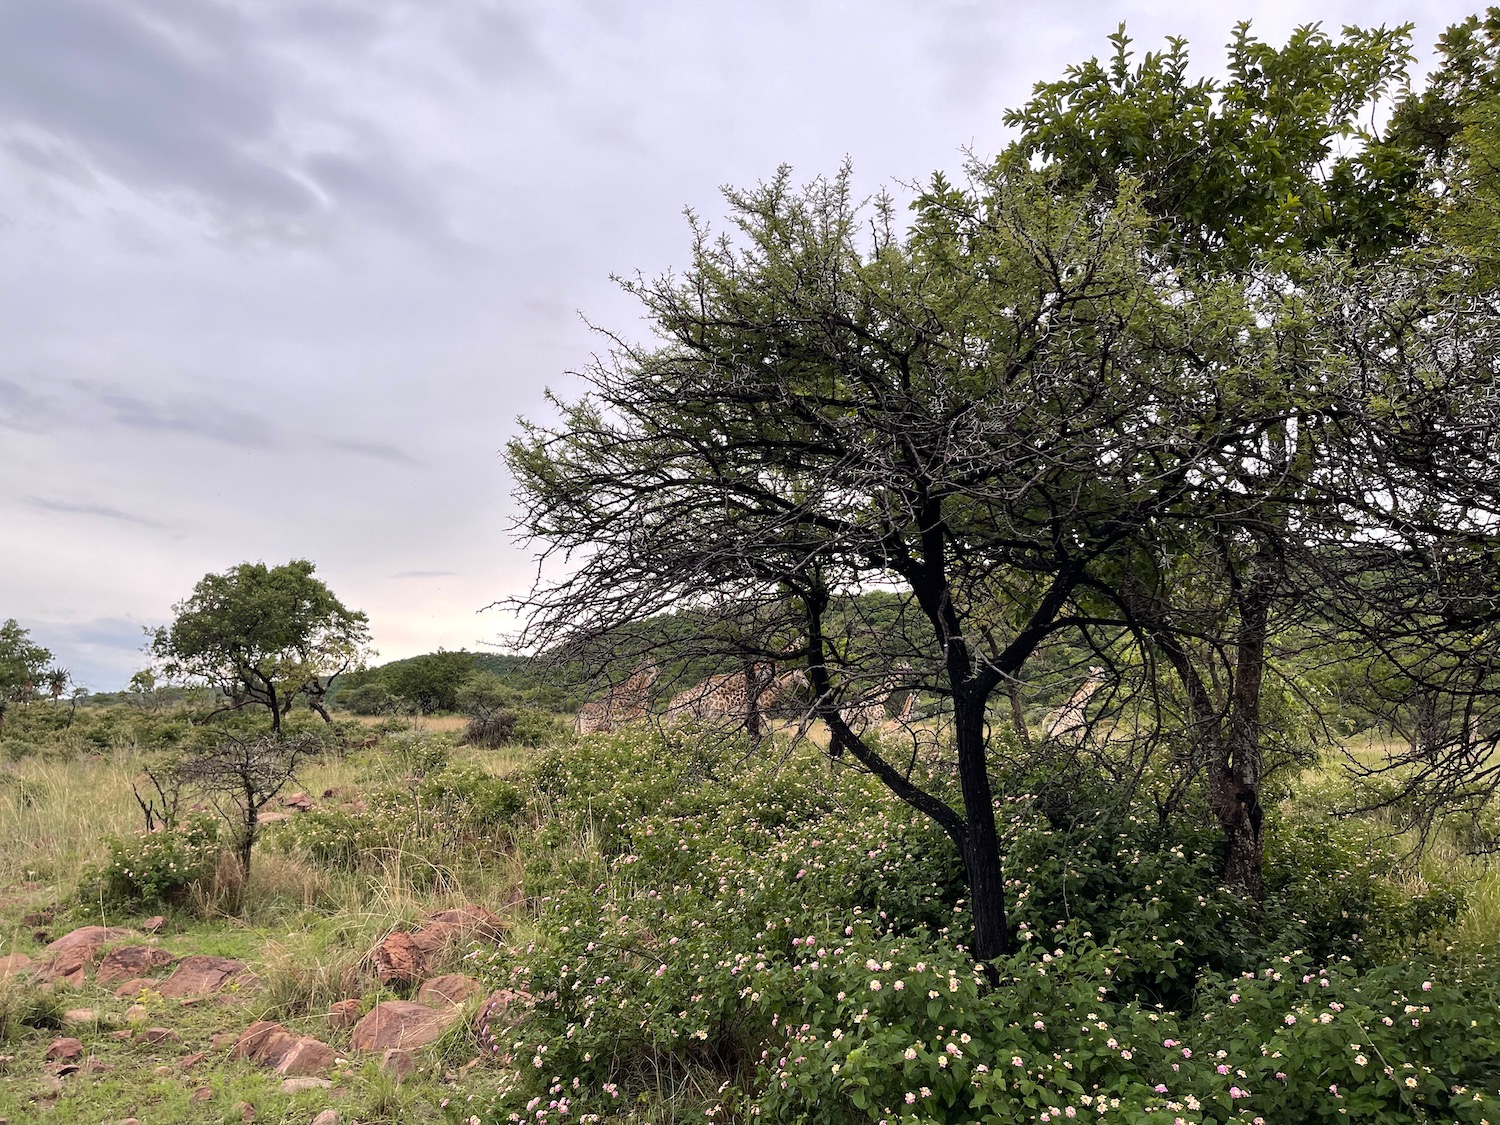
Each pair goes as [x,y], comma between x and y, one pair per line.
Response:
[1040,656]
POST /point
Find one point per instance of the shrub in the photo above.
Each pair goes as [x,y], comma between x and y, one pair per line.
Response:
[799,935]
[155,868]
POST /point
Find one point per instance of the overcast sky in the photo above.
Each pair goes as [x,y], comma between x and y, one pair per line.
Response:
[276,278]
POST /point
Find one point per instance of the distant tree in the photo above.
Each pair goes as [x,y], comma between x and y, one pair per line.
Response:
[429,682]
[263,636]
[23,666]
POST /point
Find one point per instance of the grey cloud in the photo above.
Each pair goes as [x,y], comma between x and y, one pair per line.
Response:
[23,409]
[426,574]
[98,511]
[169,95]
[196,417]
[379,450]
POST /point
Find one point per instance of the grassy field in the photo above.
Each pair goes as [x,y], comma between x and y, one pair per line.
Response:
[306,929]
[305,932]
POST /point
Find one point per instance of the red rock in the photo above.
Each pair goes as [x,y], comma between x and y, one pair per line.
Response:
[398,1063]
[299,801]
[69,966]
[265,1042]
[401,1023]
[191,1060]
[89,936]
[400,960]
[272,1045]
[471,920]
[222,1040]
[123,1033]
[445,991]
[202,1094]
[131,961]
[132,988]
[154,924]
[63,1049]
[246,1111]
[200,976]
[344,1013]
[308,1056]
[327,1117]
[159,1035]
[13,963]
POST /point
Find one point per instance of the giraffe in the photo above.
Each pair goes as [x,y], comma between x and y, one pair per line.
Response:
[624,703]
[872,712]
[1070,720]
[729,697]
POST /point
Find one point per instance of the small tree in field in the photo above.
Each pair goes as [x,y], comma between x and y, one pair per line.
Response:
[241,776]
[264,636]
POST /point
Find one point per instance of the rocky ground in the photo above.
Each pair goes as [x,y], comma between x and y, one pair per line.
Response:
[141,1024]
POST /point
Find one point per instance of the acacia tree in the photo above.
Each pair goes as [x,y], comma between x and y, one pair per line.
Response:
[241,776]
[963,417]
[263,636]
[1040,412]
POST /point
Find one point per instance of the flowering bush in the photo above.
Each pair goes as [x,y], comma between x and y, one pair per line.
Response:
[792,941]
[155,868]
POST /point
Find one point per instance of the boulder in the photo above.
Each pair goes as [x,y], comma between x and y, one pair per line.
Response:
[130,961]
[398,1063]
[133,988]
[448,991]
[63,1049]
[400,960]
[299,801]
[401,1023]
[471,920]
[91,937]
[200,976]
[344,1013]
[13,963]
[271,1045]
[153,924]
[70,966]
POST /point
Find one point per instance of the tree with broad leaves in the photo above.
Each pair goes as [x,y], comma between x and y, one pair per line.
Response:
[264,636]
[23,666]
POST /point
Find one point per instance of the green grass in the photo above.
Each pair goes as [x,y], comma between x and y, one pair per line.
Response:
[305,933]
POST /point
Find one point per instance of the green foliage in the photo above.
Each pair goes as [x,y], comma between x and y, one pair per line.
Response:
[801,935]
[263,636]
[1235,168]
[26,1004]
[155,868]
[441,817]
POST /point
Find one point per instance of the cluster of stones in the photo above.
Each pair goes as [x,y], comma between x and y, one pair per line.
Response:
[393,1029]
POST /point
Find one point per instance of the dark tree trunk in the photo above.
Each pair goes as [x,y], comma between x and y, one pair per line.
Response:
[981,845]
